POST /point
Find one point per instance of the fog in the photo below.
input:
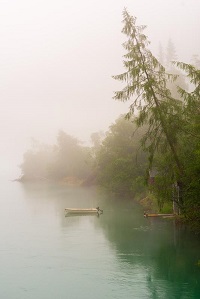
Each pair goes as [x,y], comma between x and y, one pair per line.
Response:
[57,59]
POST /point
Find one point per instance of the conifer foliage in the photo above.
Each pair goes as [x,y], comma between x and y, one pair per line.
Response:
[173,123]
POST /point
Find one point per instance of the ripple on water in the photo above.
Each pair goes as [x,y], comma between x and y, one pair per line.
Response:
[142,228]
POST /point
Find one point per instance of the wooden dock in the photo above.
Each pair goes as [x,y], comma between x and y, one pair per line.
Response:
[159,215]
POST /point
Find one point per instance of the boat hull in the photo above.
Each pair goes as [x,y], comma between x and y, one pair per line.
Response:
[83,211]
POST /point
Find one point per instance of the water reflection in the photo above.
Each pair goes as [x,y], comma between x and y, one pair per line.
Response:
[168,253]
[42,197]
[145,257]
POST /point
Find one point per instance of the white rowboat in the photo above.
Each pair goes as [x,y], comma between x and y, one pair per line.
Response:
[92,211]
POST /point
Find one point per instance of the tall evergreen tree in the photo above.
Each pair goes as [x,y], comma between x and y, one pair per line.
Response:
[173,123]
[170,54]
[161,54]
[146,84]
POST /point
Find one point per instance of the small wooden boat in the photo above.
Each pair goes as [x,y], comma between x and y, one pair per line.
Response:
[93,211]
[158,215]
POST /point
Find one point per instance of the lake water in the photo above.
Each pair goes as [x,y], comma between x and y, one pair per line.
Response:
[121,254]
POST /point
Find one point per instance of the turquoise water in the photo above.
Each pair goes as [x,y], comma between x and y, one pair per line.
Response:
[45,255]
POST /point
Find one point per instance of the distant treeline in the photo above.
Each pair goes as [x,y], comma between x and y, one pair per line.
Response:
[67,158]
[115,160]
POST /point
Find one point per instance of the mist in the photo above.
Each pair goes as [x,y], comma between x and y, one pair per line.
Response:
[57,60]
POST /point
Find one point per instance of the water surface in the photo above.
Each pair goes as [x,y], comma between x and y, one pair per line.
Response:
[120,254]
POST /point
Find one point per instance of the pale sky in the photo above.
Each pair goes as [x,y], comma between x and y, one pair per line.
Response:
[57,58]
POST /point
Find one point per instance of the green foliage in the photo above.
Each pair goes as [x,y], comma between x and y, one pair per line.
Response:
[66,158]
[70,158]
[171,115]
[36,162]
[190,141]
[121,163]
[146,85]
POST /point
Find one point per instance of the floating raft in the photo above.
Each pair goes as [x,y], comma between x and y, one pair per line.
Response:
[159,215]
